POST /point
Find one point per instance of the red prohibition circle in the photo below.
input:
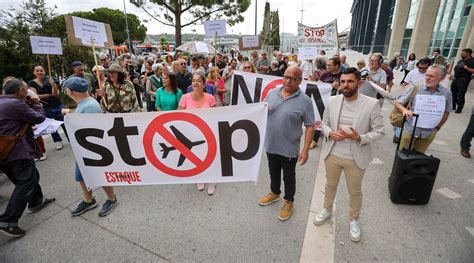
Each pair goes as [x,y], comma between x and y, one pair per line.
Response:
[269,87]
[157,126]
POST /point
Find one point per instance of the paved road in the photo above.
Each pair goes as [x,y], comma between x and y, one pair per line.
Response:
[179,224]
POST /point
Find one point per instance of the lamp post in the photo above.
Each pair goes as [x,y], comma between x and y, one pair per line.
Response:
[126,28]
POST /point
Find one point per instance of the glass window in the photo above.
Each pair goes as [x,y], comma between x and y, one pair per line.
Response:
[467,11]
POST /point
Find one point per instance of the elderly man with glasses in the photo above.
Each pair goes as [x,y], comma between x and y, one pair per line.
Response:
[288,110]
[183,77]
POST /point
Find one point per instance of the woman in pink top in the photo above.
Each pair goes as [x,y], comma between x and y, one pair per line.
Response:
[198,99]
[215,79]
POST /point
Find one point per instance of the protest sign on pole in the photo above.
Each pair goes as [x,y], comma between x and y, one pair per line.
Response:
[85,32]
[245,85]
[215,28]
[214,145]
[249,43]
[322,37]
[46,45]
[306,53]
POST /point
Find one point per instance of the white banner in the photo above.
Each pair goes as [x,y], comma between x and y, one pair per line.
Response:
[324,36]
[46,45]
[89,31]
[214,28]
[217,145]
[252,87]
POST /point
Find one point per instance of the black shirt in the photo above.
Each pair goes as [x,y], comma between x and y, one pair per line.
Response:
[51,102]
[184,80]
[282,66]
[276,72]
[460,72]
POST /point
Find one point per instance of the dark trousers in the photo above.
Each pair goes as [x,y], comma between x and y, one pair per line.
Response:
[458,89]
[24,175]
[406,73]
[276,163]
[55,113]
[468,134]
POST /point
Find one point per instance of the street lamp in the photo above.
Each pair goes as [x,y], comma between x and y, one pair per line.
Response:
[126,28]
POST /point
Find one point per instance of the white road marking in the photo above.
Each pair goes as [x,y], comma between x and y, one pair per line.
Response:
[376,161]
[470,230]
[449,193]
[439,142]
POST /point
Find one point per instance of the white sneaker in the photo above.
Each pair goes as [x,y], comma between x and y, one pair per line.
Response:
[44,157]
[321,217]
[354,231]
[59,145]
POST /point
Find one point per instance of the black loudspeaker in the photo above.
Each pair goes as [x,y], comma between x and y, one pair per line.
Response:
[413,176]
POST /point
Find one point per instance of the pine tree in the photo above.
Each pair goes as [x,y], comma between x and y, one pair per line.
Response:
[275,30]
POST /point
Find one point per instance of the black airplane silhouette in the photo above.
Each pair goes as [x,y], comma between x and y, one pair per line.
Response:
[189,144]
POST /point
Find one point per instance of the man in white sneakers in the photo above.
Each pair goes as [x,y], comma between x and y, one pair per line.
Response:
[351,122]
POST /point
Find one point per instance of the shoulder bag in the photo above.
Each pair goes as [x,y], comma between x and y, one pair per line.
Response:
[396,117]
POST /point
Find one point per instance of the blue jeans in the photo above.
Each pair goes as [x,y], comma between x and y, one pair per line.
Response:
[468,134]
[24,175]
[55,113]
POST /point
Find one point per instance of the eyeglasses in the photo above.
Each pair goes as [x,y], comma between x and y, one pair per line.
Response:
[286,78]
[423,68]
[247,67]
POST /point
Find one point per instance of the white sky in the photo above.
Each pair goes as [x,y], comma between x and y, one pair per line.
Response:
[317,12]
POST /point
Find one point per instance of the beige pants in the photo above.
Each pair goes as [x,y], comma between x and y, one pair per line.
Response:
[354,175]
[420,145]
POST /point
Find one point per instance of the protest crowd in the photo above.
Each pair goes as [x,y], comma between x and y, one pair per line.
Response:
[351,121]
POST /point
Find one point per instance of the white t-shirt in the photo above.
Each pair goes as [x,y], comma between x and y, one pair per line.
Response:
[307,68]
[415,77]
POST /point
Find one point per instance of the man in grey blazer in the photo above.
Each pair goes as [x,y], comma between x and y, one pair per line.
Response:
[351,122]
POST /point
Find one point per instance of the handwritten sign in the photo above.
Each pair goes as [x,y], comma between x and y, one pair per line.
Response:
[46,45]
[90,32]
[306,53]
[249,42]
[214,28]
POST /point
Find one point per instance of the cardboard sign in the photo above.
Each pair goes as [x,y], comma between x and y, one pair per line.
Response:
[85,32]
[306,53]
[46,45]
[214,28]
[249,42]
[213,145]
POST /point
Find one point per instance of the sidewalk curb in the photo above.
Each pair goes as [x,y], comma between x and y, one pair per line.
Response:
[319,241]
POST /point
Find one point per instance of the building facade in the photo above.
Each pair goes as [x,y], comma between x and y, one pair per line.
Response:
[407,26]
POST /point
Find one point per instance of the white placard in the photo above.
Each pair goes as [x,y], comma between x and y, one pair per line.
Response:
[46,45]
[90,32]
[214,28]
[306,53]
[201,47]
[250,41]
[246,86]
[430,109]
[213,145]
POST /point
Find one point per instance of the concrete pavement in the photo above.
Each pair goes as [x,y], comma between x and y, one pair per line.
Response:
[176,223]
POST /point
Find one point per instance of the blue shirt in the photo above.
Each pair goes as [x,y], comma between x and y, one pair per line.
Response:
[89,105]
[285,119]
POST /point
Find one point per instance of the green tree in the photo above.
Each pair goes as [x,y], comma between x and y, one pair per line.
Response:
[171,12]
[275,30]
[265,34]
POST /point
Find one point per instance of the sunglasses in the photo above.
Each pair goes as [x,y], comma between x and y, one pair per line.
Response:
[183,63]
[247,67]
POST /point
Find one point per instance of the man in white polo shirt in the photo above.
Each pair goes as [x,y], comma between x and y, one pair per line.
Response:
[417,76]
